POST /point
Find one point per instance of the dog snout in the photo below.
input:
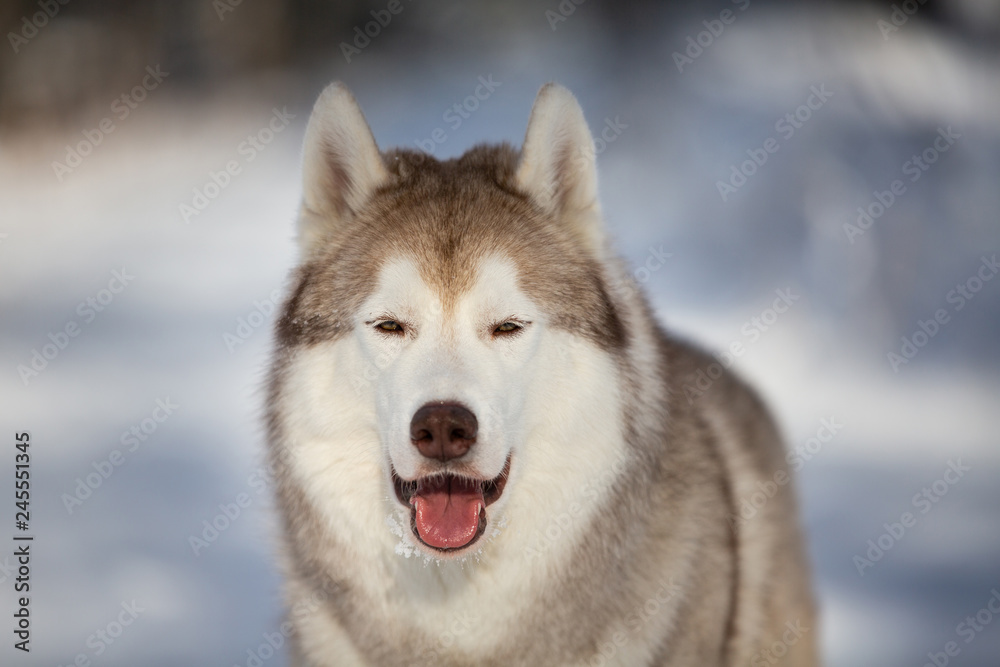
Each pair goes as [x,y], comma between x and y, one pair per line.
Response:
[443,431]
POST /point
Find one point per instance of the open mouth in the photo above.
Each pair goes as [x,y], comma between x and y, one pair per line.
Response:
[448,511]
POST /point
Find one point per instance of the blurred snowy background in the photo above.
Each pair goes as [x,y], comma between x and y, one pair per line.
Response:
[842,99]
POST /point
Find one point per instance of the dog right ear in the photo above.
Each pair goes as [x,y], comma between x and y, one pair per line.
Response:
[558,164]
[341,166]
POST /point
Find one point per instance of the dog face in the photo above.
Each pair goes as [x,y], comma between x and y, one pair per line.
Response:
[449,396]
[459,295]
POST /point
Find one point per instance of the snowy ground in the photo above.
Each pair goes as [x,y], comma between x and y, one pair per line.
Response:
[163,337]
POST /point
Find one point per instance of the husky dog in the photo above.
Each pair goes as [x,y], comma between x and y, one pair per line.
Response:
[484,448]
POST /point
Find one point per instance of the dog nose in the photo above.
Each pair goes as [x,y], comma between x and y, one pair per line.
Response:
[443,431]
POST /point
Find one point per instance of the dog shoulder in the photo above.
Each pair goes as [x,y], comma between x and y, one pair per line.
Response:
[705,389]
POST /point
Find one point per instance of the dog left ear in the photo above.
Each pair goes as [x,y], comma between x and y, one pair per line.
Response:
[557,166]
[341,166]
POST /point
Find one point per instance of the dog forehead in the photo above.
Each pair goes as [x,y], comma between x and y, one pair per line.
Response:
[489,280]
[399,278]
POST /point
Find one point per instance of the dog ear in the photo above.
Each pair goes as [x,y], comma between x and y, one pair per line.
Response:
[557,165]
[341,166]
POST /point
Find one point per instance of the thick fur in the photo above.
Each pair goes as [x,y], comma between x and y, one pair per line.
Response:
[614,541]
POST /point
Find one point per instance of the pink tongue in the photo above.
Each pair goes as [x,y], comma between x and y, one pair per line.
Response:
[448,512]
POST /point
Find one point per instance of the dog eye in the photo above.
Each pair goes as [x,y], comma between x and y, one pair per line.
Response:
[390,326]
[507,327]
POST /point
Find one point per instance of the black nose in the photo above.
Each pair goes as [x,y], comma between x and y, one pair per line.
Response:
[443,431]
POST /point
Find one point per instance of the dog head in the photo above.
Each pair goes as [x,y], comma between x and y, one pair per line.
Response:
[457,311]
